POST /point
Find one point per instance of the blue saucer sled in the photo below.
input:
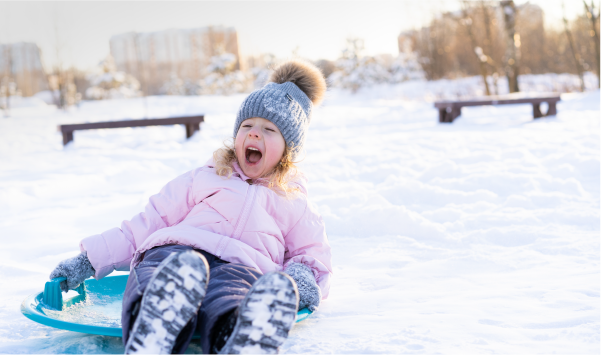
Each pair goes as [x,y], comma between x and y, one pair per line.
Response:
[94,308]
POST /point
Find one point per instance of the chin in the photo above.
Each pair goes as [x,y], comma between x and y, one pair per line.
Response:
[249,171]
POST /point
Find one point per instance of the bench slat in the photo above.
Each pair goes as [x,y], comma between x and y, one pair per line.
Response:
[444,104]
[131,123]
[448,111]
[192,124]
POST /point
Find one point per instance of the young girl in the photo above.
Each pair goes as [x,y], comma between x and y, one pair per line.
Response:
[208,252]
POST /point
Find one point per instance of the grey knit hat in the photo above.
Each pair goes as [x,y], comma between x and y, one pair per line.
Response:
[287,101]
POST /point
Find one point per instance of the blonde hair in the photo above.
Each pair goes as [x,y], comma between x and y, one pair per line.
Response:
[282,179]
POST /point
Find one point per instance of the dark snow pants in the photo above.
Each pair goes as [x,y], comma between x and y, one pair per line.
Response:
[228,284]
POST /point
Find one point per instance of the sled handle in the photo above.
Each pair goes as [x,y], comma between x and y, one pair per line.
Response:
[303,314]
[53,296]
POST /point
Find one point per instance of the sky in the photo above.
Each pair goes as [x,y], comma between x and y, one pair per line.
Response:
[77,33]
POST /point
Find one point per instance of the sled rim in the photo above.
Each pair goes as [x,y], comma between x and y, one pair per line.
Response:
[32,307]
[29,311]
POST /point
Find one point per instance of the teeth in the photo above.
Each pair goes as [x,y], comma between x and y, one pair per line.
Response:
[251,148]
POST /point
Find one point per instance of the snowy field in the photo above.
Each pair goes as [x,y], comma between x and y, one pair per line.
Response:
[477,237]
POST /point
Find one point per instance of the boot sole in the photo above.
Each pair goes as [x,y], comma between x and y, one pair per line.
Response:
[265,316]
[171,299]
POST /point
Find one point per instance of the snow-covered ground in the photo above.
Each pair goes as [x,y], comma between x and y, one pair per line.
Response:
[480,236]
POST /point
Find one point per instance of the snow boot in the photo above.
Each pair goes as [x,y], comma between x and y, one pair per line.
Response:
[265,316]
[172,297]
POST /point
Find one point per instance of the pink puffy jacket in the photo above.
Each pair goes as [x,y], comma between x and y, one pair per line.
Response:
[229,218]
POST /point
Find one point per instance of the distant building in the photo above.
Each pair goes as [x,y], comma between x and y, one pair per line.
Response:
[155,57]
[22,63]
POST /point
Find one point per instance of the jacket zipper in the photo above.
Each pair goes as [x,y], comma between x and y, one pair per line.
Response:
[250,199]
[241,223]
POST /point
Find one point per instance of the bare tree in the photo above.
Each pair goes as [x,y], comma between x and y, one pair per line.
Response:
[57,70]
[482,58]
[513,45]
[6,84]
[445,49]
[489,43]
[141,72]
[64,91]
[575,52]
[594,17]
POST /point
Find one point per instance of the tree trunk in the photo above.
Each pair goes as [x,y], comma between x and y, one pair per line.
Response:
[479,55]
[575,53]
[590,13]
[5,84]
[513,45]
[7,79]
[490,48]
[467,22]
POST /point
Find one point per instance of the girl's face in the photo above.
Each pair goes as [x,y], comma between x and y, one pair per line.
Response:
[259,147]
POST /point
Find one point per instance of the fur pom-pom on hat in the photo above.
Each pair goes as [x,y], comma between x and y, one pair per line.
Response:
[295,87]
[306,76]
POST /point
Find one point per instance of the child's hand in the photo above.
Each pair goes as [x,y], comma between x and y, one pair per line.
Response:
[309,292]
[76,270]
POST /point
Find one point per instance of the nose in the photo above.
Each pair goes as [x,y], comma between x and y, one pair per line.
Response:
[254,133]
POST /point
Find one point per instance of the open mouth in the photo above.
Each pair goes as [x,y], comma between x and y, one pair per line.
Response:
[253,155]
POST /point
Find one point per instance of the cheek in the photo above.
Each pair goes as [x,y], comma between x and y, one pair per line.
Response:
[239,144]
[275,147]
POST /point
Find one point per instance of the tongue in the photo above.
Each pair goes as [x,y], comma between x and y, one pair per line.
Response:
[254,156]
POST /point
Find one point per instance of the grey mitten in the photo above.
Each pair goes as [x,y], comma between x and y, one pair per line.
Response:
[76,270]
[309,292]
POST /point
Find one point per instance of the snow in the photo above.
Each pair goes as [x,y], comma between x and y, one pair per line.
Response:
[354,70]
[108,83]
[223,79]
[480,236]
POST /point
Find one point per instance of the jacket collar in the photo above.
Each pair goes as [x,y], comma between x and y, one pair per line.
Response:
[301,181]
[238,170]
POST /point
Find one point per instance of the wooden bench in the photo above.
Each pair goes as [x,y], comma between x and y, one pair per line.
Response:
[192,124]
[448,111]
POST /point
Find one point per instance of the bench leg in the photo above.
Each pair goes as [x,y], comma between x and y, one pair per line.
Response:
[552,109]
[442,115]
[445,116]
[536,113]
[67,137]
[455,112]
[191,128]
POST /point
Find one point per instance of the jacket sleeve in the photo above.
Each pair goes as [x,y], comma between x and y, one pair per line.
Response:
[307,243]
[114,248]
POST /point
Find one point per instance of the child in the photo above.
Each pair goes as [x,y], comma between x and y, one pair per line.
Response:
[208,252]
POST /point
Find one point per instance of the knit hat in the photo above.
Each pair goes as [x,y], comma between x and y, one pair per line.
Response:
[287,100]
